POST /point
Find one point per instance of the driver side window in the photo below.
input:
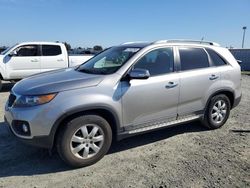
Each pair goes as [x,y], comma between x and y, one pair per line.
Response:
[27,50]
[157,62]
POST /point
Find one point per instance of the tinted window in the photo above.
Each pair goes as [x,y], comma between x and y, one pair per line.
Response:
[193,58]
[157,62]
[216,59]
[51,50]
[27,50]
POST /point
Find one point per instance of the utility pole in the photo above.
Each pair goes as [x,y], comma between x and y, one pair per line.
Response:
[244,31]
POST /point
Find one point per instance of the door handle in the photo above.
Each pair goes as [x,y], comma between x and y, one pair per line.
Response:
[60,60]
[171,85]
[34,60]
[213,77]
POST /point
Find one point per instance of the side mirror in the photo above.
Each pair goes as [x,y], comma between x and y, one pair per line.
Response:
[12,53]
[139,74]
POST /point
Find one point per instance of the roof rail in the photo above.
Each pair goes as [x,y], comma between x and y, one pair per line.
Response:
[133,42]
[186,41]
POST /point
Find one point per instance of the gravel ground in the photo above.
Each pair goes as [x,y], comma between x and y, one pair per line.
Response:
[187,155]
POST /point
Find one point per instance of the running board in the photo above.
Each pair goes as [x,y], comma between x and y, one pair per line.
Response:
[165,124]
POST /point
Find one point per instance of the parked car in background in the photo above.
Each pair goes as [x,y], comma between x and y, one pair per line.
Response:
[125,90]
[28,58]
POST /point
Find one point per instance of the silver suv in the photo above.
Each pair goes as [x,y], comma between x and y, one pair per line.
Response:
[125,90]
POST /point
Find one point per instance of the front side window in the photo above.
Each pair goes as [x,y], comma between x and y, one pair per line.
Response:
[157,62]
[193,58]
[27,50]
[108,61]
[51,50]
[216,59]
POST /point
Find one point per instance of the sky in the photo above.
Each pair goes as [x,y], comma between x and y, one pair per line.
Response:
[87,23]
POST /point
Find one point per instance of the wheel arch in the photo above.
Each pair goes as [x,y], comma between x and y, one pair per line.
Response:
[107,113]
[228,92]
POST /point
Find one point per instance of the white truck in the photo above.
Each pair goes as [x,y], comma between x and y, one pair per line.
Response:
[28,58]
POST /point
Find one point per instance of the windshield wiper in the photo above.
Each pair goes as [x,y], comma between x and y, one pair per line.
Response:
[92,71]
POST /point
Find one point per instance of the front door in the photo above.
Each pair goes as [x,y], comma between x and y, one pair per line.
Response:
[25,62]
[154,99]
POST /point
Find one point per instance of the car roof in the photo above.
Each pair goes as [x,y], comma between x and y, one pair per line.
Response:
[40,42]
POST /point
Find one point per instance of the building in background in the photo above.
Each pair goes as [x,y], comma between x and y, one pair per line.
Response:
[244,56]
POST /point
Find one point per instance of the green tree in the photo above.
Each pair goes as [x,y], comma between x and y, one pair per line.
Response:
[97,48]
[67,45]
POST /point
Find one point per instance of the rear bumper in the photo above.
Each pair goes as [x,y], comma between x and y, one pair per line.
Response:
[237,101]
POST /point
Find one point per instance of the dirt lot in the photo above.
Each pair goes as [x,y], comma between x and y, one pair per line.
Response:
[183,156]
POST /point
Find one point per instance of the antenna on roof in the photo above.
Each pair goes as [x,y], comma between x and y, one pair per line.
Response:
[202,39]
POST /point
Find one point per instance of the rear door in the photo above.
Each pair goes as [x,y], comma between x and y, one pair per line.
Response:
[25,63]
[52,58]
[198,79]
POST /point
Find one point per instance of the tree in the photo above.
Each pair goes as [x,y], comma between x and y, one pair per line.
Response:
[67,45]
[98,48]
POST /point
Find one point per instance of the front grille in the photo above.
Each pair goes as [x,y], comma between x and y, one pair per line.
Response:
[11,100]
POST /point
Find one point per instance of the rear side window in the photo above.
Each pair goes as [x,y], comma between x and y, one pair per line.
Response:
[51,50]
[193,58]
[27,50]
[216,59]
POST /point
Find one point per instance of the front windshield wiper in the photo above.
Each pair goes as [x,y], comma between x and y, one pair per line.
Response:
[92,71]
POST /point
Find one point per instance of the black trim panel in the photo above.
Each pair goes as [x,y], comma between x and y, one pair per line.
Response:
[237,101]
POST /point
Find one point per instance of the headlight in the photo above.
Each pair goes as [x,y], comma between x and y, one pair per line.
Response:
[27,101]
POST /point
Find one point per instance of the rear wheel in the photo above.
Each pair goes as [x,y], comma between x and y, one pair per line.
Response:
[217,112]
[84,140]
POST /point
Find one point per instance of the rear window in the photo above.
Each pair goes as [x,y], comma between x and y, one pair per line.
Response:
[51,50]
[193,58]
[216,59]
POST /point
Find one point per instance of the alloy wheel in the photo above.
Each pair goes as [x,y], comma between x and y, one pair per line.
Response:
[87,141]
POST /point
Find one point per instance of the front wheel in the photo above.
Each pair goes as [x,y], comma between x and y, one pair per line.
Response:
[217,112]
[84,140]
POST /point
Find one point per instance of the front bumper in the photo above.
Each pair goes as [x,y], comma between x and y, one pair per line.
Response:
[40,120]
[38,141]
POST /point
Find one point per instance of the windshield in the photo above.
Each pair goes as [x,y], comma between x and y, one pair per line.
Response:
[5,51]
[108,61]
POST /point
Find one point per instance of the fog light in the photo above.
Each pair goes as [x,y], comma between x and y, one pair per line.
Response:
[21,127]
[25,128]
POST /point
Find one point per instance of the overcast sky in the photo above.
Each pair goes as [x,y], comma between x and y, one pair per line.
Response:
[109,22]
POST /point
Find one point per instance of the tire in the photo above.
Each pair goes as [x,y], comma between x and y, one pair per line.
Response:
[217,112]
[79,133]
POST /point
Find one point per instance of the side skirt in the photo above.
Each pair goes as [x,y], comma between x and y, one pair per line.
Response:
[160,125]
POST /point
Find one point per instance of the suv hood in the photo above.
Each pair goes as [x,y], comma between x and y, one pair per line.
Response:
[56,81]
